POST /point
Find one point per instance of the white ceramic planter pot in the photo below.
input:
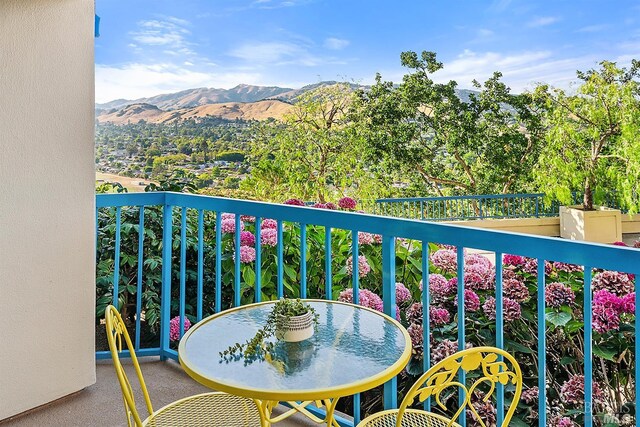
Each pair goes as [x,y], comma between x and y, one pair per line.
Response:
[602,225]
[296,328]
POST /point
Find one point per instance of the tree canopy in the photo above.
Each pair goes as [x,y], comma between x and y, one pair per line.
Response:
[487,143]
[593,137]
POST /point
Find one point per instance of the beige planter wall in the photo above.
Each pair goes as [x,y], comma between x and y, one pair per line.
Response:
[602,225]
[542,226]
[47,214]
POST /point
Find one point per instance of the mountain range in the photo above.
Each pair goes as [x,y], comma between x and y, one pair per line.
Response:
[245,102]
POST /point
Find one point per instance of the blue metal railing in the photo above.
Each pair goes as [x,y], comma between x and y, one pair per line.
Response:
[484,206]
[174,244]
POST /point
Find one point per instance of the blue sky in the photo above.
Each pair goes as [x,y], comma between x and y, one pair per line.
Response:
[149,47]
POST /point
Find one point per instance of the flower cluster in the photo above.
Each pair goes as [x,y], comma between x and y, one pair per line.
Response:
[567,268]
[247,254]
[269,237]
[366,298]
[530,395]
[402,293]
[572,391]
[416,333]
[440,288]
[363,266]
[558,294]
[268,223]
[445,259]
[513,260]
[347,203]
[613,281]
[561,422]
[414,313]
[442,350]
[515,289]
[365,238]
[511,309]
[439,316]
[228,225]
[608,309]
[471,300]
[174,327]
[247,238]
[479,276]
[294,202]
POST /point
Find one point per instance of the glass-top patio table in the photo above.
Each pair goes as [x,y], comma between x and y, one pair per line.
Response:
[354,349]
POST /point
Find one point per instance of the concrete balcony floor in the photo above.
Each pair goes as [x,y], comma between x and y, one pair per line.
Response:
[101,404]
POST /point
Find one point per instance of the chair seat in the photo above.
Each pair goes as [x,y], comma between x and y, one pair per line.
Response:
[207,410]
[411,418]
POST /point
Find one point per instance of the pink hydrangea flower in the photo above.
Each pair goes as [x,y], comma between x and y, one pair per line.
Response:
[268,223]
[363,266]
[613,281]
[636,244]
[229,226]
[608,309]
[248,218]
[479,277]
[247,254]
[558,294]
[294,202]
[414,313]
[445,259]
[619,244]
[377,238]
[174,327]
[366,298]
[562,422]
[439,316]
[247,238]
[511,309]
[471,300]
[567,268]
[365,238]
[402,293]
[416,333]
[347,203]
[513,260]
[227,215]
[477,259]
[319,205]
[531,266]
[515,289]
[269,237]
[572,391]
[440,289]
[330,206]
[442,350]
[530,395]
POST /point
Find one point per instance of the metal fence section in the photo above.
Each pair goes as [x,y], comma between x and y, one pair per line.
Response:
[485,206]
[179,232]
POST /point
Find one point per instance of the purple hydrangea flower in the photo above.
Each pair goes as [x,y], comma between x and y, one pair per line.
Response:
[515,289]
[439,316]
[572,391]
[174,327]
[247,238]
[402,293]
[471,300]
[294,202]
[414,313]
[363,266]
[347,203]
[445,259]
[613,281]
[558,294]
[530,395]
[511,309]
[366,298]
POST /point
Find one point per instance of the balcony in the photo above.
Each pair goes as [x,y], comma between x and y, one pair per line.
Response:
[195,238]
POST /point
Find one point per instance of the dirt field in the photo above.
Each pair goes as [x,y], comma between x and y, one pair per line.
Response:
[131,184]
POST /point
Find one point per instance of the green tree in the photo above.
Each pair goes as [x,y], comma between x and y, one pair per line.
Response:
[484,144]
[593,137]
[314,155]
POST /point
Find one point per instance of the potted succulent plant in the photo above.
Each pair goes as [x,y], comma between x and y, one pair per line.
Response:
[291,320]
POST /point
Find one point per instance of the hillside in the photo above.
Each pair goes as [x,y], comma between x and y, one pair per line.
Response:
[135,113]
[202,96]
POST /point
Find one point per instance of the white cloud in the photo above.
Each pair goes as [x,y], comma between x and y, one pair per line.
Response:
[335,43]
[138,80]
[170,33]
[592,28]
[542,21]
[279,53]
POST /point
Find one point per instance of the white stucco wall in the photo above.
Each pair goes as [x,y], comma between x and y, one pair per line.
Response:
[47,223]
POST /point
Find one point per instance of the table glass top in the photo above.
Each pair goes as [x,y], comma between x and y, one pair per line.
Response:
[350,345]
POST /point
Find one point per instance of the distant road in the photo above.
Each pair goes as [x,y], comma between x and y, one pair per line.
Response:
[134,185]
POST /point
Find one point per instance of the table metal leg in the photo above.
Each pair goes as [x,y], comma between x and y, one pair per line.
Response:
[265,408]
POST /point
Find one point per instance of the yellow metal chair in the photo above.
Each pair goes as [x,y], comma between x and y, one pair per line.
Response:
[444,375]
[202,410]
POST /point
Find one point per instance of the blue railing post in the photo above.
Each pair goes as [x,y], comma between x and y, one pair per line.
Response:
[165,296]
[389,306]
